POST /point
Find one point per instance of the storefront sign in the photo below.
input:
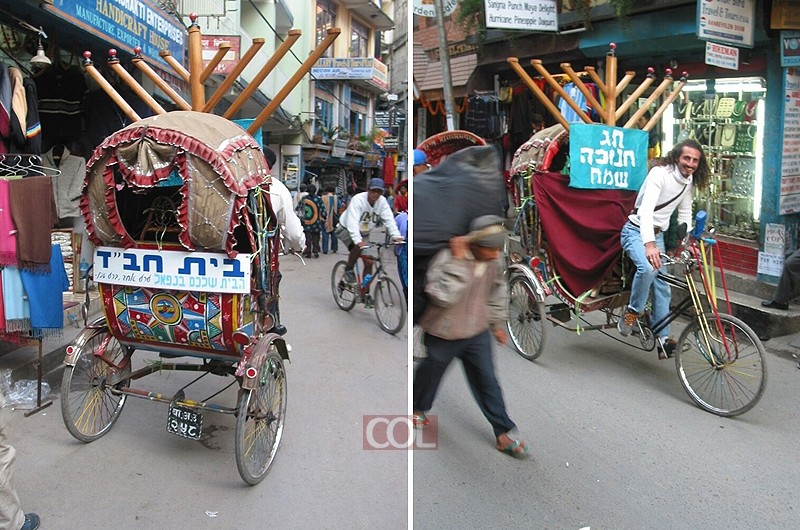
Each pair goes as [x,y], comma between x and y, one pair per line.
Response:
[610,158]
[339,148]
[366,68]
[785,14]
[173,270]
[211,45]
[775,239]
[529,15]
[127,24]
[770,264]
[727,21]
[722,56]
[790,159]
[426,8]
[790,48]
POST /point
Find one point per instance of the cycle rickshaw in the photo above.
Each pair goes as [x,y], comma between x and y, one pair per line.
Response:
[186,262]
[566,262]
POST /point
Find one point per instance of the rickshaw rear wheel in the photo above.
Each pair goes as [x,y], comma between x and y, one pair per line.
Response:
[526,318]
[725,374]
[390,306]
[89,408]
[259,420]
[343,293]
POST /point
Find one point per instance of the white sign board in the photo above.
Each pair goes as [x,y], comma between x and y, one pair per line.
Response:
[722,56]
[426,8]
[775,239]
[770,264]
[172,269]
[728,21]
[790,160]
[528,15]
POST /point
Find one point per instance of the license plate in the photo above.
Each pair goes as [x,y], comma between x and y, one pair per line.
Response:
[185,422]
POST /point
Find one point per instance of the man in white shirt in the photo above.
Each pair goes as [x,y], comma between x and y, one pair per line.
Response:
[366,211]
[667,186]
[281,201]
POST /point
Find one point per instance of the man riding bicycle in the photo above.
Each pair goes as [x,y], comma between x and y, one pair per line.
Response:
[366,211]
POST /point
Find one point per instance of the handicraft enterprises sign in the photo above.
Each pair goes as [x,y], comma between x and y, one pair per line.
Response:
[173,270]
[607,158]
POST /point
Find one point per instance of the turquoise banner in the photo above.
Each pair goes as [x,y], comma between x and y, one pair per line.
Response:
[607,158]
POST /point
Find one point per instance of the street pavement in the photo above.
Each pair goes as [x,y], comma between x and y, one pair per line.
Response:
[343,366]
[615,443]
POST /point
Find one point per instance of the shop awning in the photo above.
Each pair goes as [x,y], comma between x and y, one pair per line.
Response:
[429,79]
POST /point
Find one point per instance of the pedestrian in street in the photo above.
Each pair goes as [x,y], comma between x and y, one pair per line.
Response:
[668,186]
[299,196]
[331,203]
[11,515]
[365,211]
[401,198]
[313,220]
[788,286]
[467,306]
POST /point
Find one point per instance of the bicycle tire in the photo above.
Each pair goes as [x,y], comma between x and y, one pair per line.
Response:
[526,318]
[343,293]
[731,386]
[260,415]
[89,408]
[390,305]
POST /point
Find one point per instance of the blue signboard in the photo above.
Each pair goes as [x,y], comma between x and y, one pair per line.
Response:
[790,48]
[607,158]
[127,24]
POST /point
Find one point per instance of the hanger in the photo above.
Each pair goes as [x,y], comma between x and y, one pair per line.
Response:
[41,170]
[9,170]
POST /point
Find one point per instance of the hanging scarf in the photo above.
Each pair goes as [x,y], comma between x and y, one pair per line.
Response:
[17,308]
[45,295]
[33,209]
[8,233]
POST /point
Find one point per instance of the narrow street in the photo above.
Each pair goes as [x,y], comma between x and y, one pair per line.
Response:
[615,442]
[343,366]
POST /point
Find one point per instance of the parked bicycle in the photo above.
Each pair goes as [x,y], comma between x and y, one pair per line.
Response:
[386,297]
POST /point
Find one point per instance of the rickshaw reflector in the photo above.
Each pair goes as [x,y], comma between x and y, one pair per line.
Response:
[251,372]
[70,350]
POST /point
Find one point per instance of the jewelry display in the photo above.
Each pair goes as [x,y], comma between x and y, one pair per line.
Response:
[725,126]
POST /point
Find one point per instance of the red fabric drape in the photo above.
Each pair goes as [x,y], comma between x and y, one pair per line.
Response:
[582,229]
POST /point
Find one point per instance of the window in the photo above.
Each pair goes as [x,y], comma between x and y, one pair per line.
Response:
[324,115]
[359,39]
[326,19]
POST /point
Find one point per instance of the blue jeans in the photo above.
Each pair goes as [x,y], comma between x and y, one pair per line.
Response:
[646,277]
[476,356]
[334,242]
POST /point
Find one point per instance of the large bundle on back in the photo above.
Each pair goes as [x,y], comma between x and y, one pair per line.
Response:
[466,185]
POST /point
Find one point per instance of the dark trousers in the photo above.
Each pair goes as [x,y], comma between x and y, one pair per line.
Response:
[312,243]
[476,357]
[789,284]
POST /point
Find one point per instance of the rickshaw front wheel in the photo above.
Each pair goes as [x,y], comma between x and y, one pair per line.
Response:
[721,365]
[89,406]
[259,420]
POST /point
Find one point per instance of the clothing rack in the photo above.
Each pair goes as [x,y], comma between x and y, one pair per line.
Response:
[13,163]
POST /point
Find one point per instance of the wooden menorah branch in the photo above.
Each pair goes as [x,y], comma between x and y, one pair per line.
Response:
[271,63]
[609,87]
[182,72]
[551,108]
[231,78]
[123,74]
[156,79]
[537,64]
[118,100]
[222,50]
[298,75]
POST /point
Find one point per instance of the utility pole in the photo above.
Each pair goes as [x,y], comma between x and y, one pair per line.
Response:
[444,59]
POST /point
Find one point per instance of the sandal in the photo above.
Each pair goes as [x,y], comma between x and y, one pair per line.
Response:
[515,449]
[420,421]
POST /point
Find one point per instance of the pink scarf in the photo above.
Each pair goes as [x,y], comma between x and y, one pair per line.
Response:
[8,232]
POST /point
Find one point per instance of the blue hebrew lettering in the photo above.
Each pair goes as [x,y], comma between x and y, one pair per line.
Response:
[235,270]
[152,258]
[187,265]
[131,265]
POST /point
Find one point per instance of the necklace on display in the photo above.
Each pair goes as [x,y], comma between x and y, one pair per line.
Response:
[750,110]
[738,108]
[728,134]
[752,134]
